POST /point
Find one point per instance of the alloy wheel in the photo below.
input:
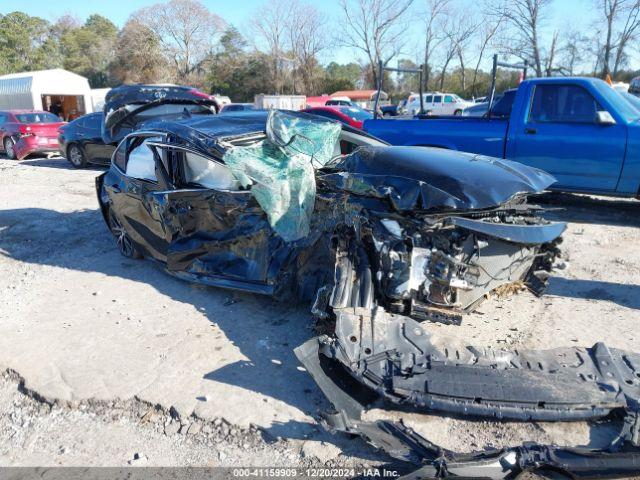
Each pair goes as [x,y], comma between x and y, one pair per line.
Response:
[75,155]
[123,241]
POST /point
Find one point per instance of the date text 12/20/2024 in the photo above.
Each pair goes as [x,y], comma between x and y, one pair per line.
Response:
[314,472]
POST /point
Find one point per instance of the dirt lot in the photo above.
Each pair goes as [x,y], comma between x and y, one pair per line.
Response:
[106,358]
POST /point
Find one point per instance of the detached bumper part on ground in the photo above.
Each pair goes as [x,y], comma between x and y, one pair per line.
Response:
[377,356]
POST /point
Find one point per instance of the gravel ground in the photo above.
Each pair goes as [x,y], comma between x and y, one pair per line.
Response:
[113,362]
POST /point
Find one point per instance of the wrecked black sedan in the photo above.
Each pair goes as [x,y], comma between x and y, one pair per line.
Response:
[377,239]
[295,206]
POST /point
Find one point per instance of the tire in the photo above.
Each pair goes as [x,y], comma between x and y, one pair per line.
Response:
[125,245]
[75,156]
[8,148]
[457,113]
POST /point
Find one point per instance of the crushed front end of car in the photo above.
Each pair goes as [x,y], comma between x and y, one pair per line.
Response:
[435,232]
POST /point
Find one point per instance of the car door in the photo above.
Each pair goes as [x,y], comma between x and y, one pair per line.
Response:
[436,105]
[218,234]
[448,106]
[131,187]
[562,136]
[79,134]
[428,103]
[100,152]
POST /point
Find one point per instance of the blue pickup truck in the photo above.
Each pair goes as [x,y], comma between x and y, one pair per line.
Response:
[578,129]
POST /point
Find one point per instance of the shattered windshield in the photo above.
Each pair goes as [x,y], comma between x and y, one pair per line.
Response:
[282,169]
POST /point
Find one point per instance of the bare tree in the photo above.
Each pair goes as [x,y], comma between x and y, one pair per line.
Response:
[375,27]
[489,25]
[186,30]
[436,10]
[525,19]
[449,52]
[572,52]
[270,23]
[621,27]
[306,29]
[549,69]
[467,28]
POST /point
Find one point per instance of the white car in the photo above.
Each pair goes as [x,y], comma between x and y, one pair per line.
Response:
[436,103]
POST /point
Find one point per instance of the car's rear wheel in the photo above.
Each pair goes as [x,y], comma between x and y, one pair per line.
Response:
[8,148]
[75,155]
[123,241]
[458,112]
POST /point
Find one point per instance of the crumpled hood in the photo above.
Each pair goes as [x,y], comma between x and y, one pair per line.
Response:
[422,178]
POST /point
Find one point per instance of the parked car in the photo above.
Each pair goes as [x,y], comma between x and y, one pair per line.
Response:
[390,110]
[237,107]
[24,132]
[481,109]
[634,86]
[580,130]
[341,102]
[349,115]
[81,141]
[436,103]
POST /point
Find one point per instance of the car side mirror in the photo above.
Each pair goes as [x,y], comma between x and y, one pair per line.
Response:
[604,118]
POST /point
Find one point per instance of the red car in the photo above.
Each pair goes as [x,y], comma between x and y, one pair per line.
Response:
[350,115]
[23,132]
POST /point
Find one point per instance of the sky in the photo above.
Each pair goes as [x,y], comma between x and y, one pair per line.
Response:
[576,14]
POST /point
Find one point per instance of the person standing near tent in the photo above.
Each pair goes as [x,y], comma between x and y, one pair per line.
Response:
[56,108]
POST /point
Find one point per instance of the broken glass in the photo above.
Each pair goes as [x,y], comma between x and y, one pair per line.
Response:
[281,169]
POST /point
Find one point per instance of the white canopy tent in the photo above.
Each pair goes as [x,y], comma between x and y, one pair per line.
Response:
[40,89]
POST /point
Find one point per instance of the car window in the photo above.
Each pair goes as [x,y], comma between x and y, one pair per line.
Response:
[448,99]
[38,117]
[169,109]
[119,156]
[3,117]
[502,105]
[428,99]
[207,173]
[437,99]
[140,162]
[563,104]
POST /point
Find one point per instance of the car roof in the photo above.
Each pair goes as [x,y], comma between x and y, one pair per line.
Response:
[204,131]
